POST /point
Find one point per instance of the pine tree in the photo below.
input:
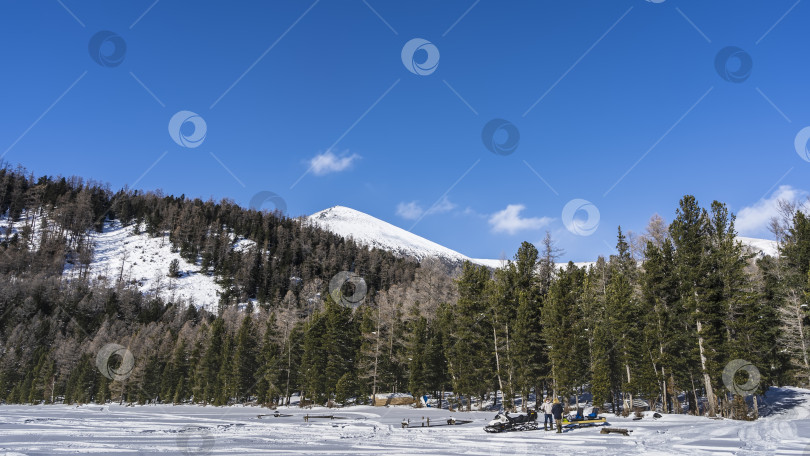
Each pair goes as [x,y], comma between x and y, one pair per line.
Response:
[345,388]
[794,306]
[270,364]
[224,386]
[174,268]
[529,348]
[502,295]
[418,380]
[368,353]
[563,328]
[208,370]
[665,332]
[468,347]
[340,342]
[624,315]
[244,359]
[437,378]
[314,359]
[701,242]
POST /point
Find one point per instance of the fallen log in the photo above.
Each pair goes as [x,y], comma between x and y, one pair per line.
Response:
[624,432]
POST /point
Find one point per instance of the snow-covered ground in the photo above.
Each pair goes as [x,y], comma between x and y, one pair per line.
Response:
[366,430]
[760,247]
[144,261]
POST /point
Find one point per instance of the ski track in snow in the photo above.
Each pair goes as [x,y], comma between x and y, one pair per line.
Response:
[366,430]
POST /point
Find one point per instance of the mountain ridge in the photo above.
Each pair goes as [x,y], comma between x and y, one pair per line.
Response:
[373,232]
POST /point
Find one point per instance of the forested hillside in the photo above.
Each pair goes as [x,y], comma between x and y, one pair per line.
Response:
[662,325]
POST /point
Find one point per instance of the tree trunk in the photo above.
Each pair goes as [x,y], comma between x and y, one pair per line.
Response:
[675,402]
[376,360]
[695,396]
[707,380]
[627,366]
[800,318]
[553,380]
[664,391]
[497,364]
[509,372]
[538,391]
[289,362]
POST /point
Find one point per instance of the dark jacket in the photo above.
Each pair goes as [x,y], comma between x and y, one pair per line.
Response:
[557,411]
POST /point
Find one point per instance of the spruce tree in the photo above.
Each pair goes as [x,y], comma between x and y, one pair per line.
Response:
[270,364]
[208,370]
[314,359]
[469,349]
[563,329]
[418,380]
[665,332]
[244,360]
[340,342]
[225,389]
[529,348]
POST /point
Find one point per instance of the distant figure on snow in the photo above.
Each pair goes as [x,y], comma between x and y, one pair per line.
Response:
[546,407]
[557,411]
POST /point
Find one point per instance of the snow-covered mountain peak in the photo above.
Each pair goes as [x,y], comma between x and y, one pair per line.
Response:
[373,232]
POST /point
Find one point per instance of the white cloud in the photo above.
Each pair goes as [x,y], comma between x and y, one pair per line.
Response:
[443,205]
[328,162]
[410,211]
[413,210]
[509,220]
[753,220]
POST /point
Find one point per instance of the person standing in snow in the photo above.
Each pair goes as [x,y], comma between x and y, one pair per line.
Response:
[557,411]
[546,408]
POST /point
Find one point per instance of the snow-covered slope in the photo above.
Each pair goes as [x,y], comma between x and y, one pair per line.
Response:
[761,247]
[143,261]
[373,232]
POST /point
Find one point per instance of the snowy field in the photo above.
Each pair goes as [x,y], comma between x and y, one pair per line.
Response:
[365,430]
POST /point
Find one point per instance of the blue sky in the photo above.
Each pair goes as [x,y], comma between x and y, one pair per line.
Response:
[313,101]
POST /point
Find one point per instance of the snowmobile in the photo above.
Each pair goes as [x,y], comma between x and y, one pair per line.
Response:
[505,423]
[580,420]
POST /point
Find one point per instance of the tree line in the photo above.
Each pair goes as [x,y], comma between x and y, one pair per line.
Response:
[661,320]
